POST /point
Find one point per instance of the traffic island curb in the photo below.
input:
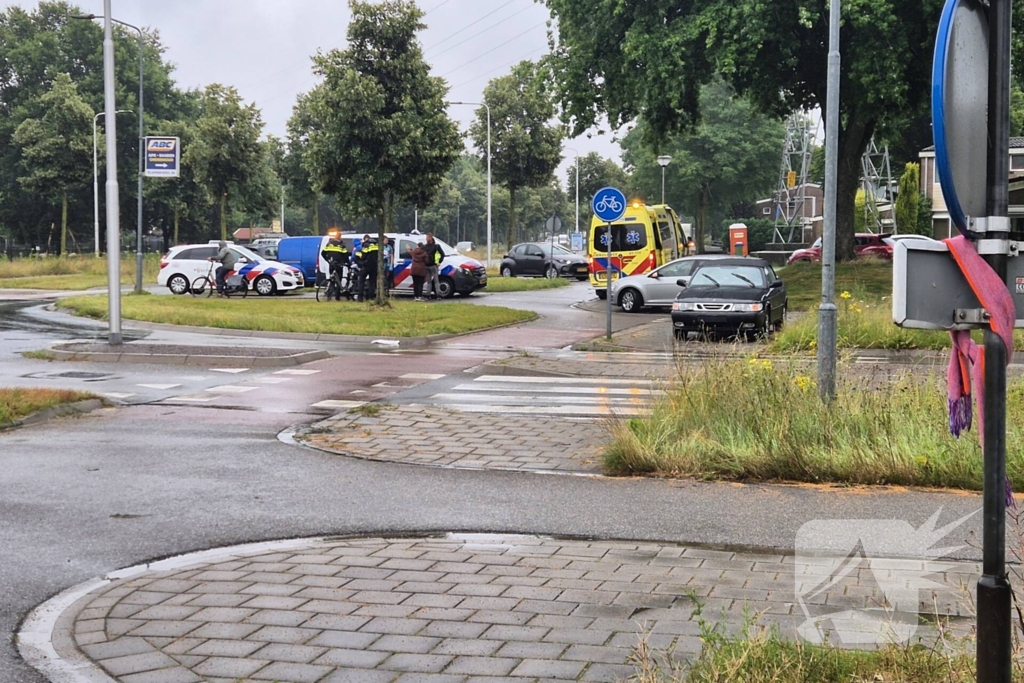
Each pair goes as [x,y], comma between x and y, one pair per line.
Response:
[203,360]
[60,410]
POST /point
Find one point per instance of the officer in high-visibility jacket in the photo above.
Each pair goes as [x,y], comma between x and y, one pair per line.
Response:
[435,254]
[367,257]
[337,256]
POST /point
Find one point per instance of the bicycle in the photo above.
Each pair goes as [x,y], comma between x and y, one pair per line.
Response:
[335,286]
[234,284]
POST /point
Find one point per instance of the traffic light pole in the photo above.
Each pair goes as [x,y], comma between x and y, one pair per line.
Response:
[994,594]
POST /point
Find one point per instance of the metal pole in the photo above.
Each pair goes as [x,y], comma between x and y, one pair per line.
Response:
[827,314]
[142,152]
[577,191]
[113,210]
[662,184]
[608,284]
[488,185]
[282,209]
[994,593]
[95,189]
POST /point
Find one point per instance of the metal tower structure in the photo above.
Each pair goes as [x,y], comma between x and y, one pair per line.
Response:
[791,192]
[879,190]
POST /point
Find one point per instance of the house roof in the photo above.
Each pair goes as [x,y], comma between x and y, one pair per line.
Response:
[1015,143]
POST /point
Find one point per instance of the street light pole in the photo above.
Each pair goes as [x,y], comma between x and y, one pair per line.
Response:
[96,181]
[486,106]
[113,208]
[827,313]
[663,161]
[575,152]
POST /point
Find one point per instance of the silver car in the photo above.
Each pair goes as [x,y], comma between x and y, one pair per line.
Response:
[658,287]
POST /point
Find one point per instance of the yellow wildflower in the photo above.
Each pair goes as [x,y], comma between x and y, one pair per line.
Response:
[845,295]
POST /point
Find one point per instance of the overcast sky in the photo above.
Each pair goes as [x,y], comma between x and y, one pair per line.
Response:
[263,47]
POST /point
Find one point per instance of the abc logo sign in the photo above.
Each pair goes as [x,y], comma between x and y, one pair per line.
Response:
[164,145]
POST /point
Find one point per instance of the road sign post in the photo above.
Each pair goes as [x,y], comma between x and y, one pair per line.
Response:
[553,224]
[609,205]
[970,121]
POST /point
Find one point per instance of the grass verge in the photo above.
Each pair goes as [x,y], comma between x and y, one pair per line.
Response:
[18,403]
[739,420]
[866,279]
[402,319]
[523,284]
[73,273]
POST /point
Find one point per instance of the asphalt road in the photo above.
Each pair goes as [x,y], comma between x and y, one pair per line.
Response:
[80,497]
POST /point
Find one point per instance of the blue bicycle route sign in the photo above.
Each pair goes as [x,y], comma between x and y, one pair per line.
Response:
[609,204]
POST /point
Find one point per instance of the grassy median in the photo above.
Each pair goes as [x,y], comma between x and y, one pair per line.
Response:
[498,284]
[403,319]
[866,279]
[739,420]
[74,273]
[18,403]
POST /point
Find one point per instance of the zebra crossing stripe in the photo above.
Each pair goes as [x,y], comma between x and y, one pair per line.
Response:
[514,379]
[606,391]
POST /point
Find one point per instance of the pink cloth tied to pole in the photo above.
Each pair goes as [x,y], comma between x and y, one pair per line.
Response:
[968,358]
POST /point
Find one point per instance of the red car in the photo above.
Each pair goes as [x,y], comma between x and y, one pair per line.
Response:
[865,244]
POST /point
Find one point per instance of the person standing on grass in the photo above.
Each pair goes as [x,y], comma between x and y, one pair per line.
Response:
[435,254]
[418,270]
[227,260]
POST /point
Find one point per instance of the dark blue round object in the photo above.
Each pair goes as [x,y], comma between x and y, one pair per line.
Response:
[609,204]
[943,165]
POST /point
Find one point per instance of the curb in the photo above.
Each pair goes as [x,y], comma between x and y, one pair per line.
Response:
[199,360]
[61,410]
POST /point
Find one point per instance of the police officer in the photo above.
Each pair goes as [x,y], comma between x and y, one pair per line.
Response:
[435,254]
[337,256]
[367,257]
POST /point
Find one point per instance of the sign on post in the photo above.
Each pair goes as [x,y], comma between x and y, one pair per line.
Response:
[609,205]
[576,241]
[163,157]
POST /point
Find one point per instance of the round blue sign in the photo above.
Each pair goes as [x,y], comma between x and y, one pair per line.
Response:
[609,204]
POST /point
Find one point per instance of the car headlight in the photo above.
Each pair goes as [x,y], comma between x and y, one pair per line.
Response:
[748,308]
[684,306]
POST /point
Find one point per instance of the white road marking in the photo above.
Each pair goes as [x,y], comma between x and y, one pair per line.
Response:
[420,375]
[159,386]
[555,400]
[292,371]
[393,386]
[575,411]
[628,391]
[190,399]
[230,389]
[357,391]
[338,404]
[513,379]
[233,371]
[112,394]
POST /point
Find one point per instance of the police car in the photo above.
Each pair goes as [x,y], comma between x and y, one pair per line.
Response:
[186,263]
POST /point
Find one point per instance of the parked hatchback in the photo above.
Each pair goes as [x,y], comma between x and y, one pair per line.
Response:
[543,259]
[658,287]
[865,244]
[186,263]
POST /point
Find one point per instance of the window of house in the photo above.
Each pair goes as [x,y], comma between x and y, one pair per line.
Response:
[1017,162]
[767,211]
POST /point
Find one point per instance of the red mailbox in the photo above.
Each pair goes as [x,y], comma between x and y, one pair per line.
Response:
[738,245]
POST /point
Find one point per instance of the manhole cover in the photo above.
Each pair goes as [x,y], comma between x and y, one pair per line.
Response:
[77,374]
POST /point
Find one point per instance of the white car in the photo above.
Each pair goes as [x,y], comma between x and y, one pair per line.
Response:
[658,287]
[186,263]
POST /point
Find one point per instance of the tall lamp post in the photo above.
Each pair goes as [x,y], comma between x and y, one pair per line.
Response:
[96,181]
[663,161]
[575,152]
[142,142]
[827,312]
[488,108]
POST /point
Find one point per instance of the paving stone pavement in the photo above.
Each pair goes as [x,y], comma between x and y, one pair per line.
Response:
[459,608]
[442,438]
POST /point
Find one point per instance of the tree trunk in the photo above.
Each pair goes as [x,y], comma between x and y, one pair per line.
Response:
[224,216]
[511,218]
[316,215]
[175,226]
[64,223]
[385,227]
[853,141]
[700,218]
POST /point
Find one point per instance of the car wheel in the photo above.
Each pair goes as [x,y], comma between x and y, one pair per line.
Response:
[551,273]
[506,272]
[602,294]
[178,284]
[679,335]
[631,301]
[447,289]
[264,285]
[782,319]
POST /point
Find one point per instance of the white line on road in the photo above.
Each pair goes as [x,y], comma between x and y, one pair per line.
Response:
[159,386]
[555,400]
[420,375]
[190,399]
[292,371]
[576,411]
[338,404]
[560,380]
[627,391]
[233,371]
[113,394]
[230,389]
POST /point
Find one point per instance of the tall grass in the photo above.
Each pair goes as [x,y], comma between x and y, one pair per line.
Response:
[868,279]
[755,420]
[72,271]
[16,403]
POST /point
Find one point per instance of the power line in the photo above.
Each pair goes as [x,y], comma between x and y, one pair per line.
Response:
[437,7]
[480,32]
[503,66]
[496,47]
[464,28]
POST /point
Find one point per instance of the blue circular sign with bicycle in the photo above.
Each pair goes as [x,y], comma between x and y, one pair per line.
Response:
[609,204]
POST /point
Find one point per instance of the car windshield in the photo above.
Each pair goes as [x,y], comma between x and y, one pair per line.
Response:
[817,244]
[242,251]
[728,276]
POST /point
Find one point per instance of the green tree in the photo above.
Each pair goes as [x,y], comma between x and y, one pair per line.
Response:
[226,153]
[731,155]
[56,148]
[908,199]
[595,172]
[774,52]
[525,147]
[298,183]
[378,130]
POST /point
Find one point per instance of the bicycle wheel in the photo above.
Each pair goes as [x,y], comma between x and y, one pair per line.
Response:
[202,286]
[241,290]
[320,289]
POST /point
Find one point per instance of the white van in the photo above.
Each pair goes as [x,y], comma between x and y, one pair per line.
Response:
[458,274]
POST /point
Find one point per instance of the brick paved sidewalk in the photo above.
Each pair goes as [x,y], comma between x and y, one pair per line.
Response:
[429,436]
[451,609]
